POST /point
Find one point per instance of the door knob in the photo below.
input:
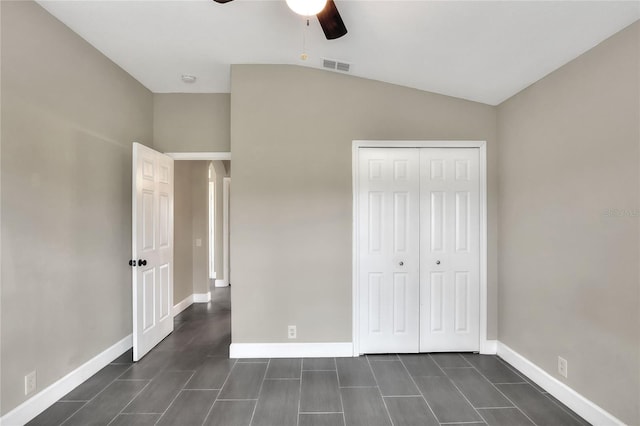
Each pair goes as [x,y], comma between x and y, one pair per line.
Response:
[401,263]
[132,263]
[142,262]
[437,262]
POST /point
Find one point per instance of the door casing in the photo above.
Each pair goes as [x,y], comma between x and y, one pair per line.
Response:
[485,344]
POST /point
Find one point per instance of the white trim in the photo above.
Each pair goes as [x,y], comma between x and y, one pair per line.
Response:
[355,247]
[190,156]
[211,222]
[489,347]
[569,397]
[290,350]
[418,144]
[226,267]
[182,305]
[202,297]
[35,405]
[221,283]
[485,345]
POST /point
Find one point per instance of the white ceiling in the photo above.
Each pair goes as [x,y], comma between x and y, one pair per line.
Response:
[478,50]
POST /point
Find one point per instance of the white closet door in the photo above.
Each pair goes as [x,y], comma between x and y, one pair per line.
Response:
[450,250]
[388,238]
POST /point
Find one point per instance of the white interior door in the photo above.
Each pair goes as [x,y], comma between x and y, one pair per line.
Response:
[450,249]
[152,248]
[388,237]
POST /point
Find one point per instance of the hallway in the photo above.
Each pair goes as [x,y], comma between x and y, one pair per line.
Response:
[189,380]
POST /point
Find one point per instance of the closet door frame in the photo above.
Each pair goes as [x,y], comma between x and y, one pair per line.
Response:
[486,346]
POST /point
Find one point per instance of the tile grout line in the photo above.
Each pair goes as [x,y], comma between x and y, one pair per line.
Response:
[96,395]
[220,392]
[461,393]
[266,370]
[175,397]
[542,391]
[380,392]
[417,387]
[280,378]
[318,370]
[458,354]
[564,408]
[515,383]
[402,396]
[130,401]
[356,387]
[299,394]
[506,397]
[73,414]
[236,399]
[344,418]
[531,383]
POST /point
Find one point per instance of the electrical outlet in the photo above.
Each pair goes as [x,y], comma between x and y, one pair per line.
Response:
[198,242]
[563,367]
[30,383]
[292,332]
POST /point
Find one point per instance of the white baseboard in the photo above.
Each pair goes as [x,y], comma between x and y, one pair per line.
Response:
[488,347]
[569,397]
[290,350]
[221,283]
[35,405]
[202,297]
[182,305]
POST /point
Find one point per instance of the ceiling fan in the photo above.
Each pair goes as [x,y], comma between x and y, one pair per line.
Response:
[325,10]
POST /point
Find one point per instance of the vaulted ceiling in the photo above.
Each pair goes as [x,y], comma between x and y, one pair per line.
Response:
[484,51]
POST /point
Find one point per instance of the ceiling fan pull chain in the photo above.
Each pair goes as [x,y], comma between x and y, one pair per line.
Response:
[304,55]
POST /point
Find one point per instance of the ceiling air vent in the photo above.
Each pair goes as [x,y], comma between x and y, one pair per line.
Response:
[343,66]
[328,63]
[336,65]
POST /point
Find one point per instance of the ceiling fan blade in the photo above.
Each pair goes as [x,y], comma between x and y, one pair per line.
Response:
[331,21]
[222,1]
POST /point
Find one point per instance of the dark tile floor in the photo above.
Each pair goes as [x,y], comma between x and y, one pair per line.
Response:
[189,380]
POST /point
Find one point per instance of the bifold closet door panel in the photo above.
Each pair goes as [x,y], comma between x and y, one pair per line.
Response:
[449,249]
[389,246]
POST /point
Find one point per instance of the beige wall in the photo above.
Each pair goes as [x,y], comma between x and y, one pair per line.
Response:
[200,229]
[186,122]
[69,116]
[291,130]
[569,281]
[182,232]
[191,273]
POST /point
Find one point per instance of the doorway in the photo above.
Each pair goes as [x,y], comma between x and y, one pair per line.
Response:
[200,208]
[419,246]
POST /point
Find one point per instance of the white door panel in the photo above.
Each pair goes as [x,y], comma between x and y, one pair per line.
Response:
[152,242]
[418,245]
[389,245]
[450,250]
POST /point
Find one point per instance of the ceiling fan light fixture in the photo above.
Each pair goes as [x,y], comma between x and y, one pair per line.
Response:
[307,7]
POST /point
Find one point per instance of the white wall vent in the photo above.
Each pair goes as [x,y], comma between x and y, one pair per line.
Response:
[335,65]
